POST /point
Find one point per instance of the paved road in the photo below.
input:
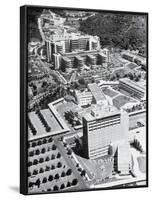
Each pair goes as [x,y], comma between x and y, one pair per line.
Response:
[133,119]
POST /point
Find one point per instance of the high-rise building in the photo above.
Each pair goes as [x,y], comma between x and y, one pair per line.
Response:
[103,126]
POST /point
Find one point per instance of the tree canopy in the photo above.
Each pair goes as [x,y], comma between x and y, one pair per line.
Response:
[121,30]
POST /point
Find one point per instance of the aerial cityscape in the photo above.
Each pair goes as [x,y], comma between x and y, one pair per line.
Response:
[87,77]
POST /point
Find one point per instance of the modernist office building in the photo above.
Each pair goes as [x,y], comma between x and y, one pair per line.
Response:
[101,127]
[77,48]
[69,49]
[92,95]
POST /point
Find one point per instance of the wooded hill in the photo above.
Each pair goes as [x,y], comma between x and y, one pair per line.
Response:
[117,30]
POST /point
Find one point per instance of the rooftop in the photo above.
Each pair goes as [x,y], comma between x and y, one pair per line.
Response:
[133,84]
[101,111]
[96,92]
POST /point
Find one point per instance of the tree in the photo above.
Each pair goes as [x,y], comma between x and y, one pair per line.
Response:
[62,186]
[83,173]
[35,162]
[63,174]
[69,152]
[33,144]
[75,181]
[53,147]
[52,157]
[41,170]
[47,168]
[56,176]
[81,81]
[130,76]
[55,188]
[47,158]
[37,152]
[58,155]
[48,129]
[35,172]
[52,167]
[29,164]
[39,142]
[69,172]
[41,160]
[68,184]
[59,165]
[31,184]
[44,84]
[31,153]
[50,178]
[50,139]
[43,150]
[44,180]
[38,182]
[44,141]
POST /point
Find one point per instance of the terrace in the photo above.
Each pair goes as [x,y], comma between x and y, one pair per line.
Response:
[121,100]
[49,122]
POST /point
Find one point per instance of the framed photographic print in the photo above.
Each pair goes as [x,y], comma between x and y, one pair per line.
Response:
[84,94]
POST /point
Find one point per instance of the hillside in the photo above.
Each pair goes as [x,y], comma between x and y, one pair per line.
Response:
[121,30]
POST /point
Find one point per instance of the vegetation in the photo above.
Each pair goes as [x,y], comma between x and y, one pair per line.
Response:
[33,32]
[136,144]
[50,178]
[47,158]
[41,160]
[31,126]
[44,180]
[35,162]
[75,181]
[117,30]
[37,152]
[41,170]
[69,172]
[35,172]
[31,153]
[44,122]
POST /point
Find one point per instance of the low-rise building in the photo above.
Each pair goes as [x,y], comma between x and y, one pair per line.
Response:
[132,87]
[84,98]
[123,158]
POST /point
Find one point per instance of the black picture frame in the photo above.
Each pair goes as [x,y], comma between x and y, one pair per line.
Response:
[24,95]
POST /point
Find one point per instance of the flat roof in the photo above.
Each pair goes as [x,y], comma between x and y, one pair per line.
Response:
[81,53]
[133,84]
[96,92]
[104,112]
[51,121]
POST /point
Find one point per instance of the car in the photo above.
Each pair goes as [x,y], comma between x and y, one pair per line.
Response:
[137,131]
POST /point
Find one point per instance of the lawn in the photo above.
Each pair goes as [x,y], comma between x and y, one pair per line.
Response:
[120,100]
[132,65]
[109,92]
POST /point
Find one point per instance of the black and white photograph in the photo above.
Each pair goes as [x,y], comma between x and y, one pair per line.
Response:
[86,103]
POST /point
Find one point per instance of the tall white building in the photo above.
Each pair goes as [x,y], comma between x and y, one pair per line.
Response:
[101,127]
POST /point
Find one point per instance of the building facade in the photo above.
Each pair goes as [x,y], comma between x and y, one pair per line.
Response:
[102,127]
